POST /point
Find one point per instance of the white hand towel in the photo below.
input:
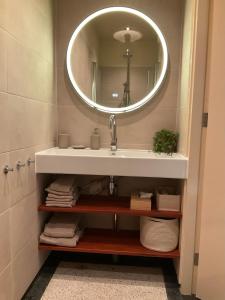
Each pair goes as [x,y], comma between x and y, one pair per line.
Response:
[62,225]
[75,195]
[64,183]
[53,196]
[61,199]
[60,204]
[49,190]
[67,242]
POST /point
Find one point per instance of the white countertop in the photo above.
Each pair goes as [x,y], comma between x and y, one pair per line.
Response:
[124,162]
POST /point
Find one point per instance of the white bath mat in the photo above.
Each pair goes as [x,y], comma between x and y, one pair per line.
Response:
[80,281]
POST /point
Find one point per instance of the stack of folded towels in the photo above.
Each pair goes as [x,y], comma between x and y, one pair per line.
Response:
[63,192]
[62,230]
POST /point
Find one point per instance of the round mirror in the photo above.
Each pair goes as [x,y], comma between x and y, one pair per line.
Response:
[117,59]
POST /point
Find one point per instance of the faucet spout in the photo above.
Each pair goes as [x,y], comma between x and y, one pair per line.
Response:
[112,126]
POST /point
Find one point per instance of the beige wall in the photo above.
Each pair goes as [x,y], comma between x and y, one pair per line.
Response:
[190,116]
[27,124]
[184,104]
[135,130]
[211,210]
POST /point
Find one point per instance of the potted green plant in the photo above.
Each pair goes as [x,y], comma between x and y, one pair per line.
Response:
[165,141]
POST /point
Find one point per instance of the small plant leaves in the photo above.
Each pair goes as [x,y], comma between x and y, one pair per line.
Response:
[165,141]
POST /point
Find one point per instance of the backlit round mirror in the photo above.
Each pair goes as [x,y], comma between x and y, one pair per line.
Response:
[117,59]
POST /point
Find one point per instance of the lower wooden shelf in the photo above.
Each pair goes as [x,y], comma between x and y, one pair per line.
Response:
[106,241]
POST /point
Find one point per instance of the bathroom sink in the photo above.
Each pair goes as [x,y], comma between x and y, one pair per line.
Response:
[123,162]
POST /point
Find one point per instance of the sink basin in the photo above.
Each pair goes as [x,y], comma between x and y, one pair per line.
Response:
[124,162]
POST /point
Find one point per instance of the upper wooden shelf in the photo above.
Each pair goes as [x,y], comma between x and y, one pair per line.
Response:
[106,204]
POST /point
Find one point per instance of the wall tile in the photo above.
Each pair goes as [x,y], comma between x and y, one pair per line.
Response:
[31,182]
[66,94]
[5,183]
[132,133]
[45,7]
[22,271]
[27,122]
[3,14]
[17,122]
[28,17]
[6,284]
[18,177]
[35,116]
[53,128]
[3,61]
[5,240]
[4,123]
[142,131]
[29,65]
[24,223]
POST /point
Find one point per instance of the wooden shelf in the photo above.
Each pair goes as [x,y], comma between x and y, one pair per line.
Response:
[106,204]
[106,241]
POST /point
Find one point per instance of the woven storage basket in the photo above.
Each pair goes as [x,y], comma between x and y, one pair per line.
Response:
[159,234]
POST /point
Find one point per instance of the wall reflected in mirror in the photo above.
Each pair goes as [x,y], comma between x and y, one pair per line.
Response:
[116,59]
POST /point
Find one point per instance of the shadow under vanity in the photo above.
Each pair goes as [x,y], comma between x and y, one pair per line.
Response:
[110,225]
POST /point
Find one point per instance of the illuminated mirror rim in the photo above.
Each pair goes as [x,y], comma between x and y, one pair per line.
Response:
[151,94]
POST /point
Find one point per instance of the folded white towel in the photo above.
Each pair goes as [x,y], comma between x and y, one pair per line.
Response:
[61,204]
[59,199]
[62,225]
[63,184]
[53,196]
[75,195]
[67,242]
[49,190]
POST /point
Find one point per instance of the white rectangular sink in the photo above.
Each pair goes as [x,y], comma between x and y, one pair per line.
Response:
[125,162]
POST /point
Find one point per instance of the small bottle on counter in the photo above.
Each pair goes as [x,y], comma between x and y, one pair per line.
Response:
[63,140]
[95,140]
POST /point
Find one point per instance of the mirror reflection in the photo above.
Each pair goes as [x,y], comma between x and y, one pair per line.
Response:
[116,59]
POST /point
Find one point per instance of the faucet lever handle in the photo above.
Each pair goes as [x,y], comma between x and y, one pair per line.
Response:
[111,118]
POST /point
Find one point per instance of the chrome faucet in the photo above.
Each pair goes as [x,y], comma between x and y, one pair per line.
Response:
[112,126]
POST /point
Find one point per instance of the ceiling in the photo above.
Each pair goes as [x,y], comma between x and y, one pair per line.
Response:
[106,25]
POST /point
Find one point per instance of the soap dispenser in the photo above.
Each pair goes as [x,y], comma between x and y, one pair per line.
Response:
[95,139]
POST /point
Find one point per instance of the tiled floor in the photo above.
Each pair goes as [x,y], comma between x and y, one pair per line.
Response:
[70,272]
